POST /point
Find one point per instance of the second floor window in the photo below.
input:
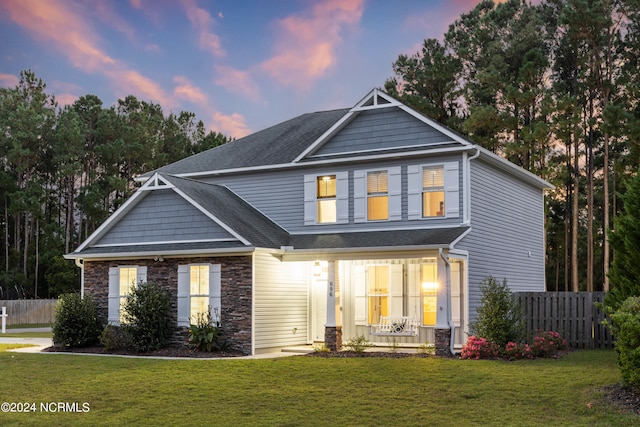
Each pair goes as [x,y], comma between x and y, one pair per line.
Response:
[377,196]
[432,191]
[326,199]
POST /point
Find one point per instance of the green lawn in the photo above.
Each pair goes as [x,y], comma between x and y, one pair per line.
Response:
[310,391]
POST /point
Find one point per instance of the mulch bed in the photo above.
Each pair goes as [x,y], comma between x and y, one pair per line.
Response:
[163,352]
[623,397]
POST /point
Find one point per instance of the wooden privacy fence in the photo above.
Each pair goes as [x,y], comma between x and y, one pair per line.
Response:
[29,311]
[573,315]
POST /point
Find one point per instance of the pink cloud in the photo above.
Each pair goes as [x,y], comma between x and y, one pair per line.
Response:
[306,44]
[202,22]
[54,21]
[237,81]
[186,90]
[9,80]
[131,82]
[66,99]
[233,125]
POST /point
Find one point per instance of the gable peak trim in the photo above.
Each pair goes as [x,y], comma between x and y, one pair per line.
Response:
[157,181]
[376,99]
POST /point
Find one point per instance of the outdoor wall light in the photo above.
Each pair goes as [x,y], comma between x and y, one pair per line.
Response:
[158,258]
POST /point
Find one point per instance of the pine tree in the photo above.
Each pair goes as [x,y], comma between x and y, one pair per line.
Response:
[624,275]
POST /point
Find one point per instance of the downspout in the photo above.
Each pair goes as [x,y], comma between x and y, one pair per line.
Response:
[80,263]
[449,319]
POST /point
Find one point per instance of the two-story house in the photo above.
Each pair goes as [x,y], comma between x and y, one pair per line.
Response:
[372,220]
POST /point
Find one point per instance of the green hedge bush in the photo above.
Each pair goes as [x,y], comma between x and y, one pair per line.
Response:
[76,323]
[499,318]
[146,312]
[625,326]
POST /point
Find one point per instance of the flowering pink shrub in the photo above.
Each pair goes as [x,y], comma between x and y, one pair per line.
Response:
[547,343]
[515,351]
[479,348]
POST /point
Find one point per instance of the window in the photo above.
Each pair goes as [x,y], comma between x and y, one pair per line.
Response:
[121,279]
[326,196]
[432,191]
[127,280]
[377,292]
[429,285]
[198,290]
[377,196]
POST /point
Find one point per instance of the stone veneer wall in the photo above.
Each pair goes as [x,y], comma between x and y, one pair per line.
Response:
[236,289]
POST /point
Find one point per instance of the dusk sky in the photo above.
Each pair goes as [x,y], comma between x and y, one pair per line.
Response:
[240,66]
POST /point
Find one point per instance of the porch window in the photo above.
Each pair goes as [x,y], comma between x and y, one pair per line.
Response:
[429,285]
[198,290]
[432,191]
[377,196]
[326,199]
[377,292]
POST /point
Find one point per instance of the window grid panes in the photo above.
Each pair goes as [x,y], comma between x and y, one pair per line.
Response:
[377,292]
[433,191]
[127,278]
[199,290]
[377,195]
[326,199]
[429,285]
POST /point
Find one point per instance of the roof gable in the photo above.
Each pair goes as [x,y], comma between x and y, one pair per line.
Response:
[380,123]
[383,129]
[163,216]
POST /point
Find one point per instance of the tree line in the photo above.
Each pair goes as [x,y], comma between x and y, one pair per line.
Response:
[64,170]
[554,88]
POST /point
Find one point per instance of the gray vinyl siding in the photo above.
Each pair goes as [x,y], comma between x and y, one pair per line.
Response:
[163,216]
[281,302]
[280,195]
[507,221]
[382,129]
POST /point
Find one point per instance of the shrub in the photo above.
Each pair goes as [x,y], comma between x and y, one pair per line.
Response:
[146,317]
[76,321]
[547,344]
[321,348]
[358,344]
[479,348]
[516,351]
[625,326]
[426,348]
[499,317]
[205,334]
[113,338]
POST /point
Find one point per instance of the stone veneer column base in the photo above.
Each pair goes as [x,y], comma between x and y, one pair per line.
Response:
[443,342]
[333,337]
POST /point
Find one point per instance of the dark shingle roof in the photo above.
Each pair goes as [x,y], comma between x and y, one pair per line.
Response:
[280,143]
[439,237]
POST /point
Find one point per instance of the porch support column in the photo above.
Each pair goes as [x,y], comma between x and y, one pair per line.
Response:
[443,327]
[332,328]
